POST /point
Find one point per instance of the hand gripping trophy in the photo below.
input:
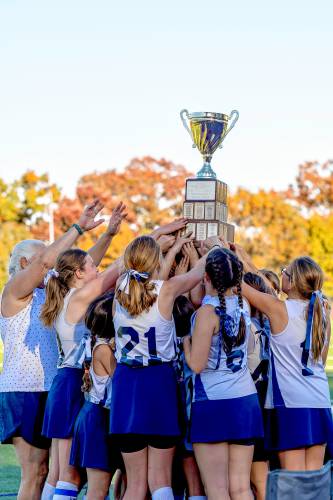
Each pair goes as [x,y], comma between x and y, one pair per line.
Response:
[206,198]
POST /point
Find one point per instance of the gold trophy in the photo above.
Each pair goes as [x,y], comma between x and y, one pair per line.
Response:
[206,198]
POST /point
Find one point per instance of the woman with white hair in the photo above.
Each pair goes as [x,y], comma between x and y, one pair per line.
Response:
[30,349]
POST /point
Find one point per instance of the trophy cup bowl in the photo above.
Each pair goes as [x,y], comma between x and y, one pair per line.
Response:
[208,131]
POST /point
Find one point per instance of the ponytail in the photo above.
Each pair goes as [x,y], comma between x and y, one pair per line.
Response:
[140,297]
[59,283]
[136,292]
[54,302]
[318,325]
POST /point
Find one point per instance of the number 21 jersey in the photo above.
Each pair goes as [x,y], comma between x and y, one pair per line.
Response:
[144,340]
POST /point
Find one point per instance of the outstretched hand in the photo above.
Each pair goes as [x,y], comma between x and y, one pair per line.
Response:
[117,216]
[87,219]
[170,228]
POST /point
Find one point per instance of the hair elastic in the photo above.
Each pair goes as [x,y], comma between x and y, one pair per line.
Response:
[130,274]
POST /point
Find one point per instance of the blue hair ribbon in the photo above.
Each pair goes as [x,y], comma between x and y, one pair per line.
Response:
[131,274]
[306,371]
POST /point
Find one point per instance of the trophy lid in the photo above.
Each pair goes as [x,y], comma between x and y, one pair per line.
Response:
[208,115]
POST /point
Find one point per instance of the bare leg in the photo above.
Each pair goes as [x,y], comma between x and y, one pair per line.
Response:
[212,459]
[259,472]
[34,467]
[193,478]
[67,472]
[159,467]
[240,461]
[119,485]
[98,484]
[292,459]
[314,457]
[53,474]
[136,464]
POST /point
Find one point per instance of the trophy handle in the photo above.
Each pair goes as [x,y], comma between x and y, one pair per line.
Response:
[186,113]
[234,115]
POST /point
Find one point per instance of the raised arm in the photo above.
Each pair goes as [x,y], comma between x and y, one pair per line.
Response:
[274,308]
[82,297]
[170,228]
[197,352]
[98,251]
[22,284]
[169,258]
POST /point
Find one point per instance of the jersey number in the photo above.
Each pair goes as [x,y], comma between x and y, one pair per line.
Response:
[234,360]
[131,344]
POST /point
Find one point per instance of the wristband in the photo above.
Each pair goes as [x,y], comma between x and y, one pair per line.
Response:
[218,246]
[78,228]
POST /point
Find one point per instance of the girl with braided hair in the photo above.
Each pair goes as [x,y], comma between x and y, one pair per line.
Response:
[226,417]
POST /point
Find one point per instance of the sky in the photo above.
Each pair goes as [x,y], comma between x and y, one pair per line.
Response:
[88,85]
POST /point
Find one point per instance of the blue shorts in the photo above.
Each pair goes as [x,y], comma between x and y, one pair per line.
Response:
[21,415]
[63,404]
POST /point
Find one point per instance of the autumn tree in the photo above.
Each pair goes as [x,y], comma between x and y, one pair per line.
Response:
[313,186]
[271,229]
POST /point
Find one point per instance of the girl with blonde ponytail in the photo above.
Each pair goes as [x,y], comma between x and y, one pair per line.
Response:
[144,405]
[72,286]
[298,408]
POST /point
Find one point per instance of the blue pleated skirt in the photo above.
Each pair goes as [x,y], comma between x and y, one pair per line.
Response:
[21,415]
[144,401]
[237,420]
[92,446]
[63,404]
[291,428]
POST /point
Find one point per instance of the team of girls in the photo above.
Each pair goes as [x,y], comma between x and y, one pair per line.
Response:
[188,392]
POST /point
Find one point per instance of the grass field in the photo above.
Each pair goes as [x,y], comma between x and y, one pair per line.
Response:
[10,472]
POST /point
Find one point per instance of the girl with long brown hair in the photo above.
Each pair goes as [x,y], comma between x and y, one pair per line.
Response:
[299,418]
[74,284]
[144,406]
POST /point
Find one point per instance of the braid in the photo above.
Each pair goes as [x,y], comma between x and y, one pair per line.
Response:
[242,326]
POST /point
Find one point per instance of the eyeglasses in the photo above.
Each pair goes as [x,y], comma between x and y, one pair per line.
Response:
[284,271]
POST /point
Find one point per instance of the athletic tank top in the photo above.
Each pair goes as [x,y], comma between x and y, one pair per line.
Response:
[30,349]
[294,381]
[101,390]
[73,339]
[226,376]
[146,339]
[258,349]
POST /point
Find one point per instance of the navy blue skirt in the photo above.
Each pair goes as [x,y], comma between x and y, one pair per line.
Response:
[291,428]
[92,446]
[21,415]
[237,420]
[144,401]
[63,404]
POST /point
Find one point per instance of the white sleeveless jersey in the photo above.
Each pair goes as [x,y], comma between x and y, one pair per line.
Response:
[30,349]
[146,339]
[73,339]
[295,380]
[258,354]
[101,390]
[226,376]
